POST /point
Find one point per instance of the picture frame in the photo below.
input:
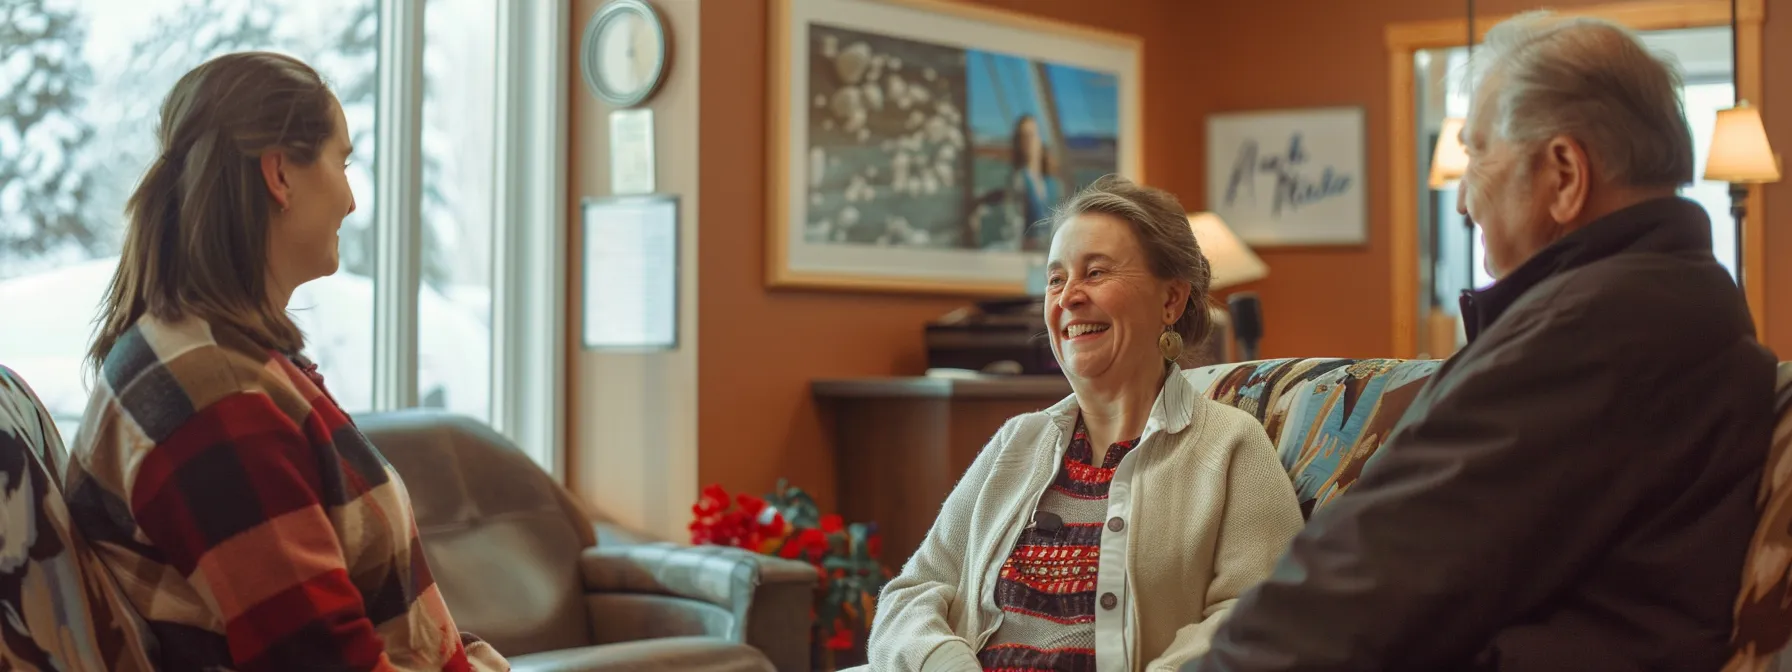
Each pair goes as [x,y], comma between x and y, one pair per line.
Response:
[917,146]
[1292,177]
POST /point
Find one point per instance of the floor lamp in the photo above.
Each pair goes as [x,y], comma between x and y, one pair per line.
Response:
[1740,153]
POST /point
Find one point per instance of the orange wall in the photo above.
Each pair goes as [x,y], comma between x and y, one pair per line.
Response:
[759,349]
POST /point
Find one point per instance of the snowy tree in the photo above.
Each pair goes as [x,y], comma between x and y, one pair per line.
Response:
[43,185]
[358,39]
[126,108]
[72,148]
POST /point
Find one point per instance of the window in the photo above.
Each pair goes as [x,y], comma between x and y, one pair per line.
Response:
[81,83]
[454,297]
[1703,99]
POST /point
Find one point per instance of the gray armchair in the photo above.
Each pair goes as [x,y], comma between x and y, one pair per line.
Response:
[521,566]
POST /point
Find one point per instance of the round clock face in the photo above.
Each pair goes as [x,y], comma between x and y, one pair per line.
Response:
[625,52]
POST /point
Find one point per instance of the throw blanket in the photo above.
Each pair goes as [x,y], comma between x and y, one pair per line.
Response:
[247,519]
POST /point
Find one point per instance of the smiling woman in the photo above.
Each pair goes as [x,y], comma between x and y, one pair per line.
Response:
[1053,577]
[1126,286]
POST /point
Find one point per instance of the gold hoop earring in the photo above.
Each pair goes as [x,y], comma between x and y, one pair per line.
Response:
[1169,344]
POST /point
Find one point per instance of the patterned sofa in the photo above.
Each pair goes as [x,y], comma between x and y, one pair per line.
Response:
[1328,418]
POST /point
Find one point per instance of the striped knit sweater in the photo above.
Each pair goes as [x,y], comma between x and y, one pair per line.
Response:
[1047,586]
[247,520]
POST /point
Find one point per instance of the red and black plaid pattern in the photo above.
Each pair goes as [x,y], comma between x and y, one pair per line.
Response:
[1047,585]
[246,517]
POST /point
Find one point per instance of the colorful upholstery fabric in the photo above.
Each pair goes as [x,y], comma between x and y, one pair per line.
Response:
[1764,607]
[1326,417]
[247,519]
[59,609]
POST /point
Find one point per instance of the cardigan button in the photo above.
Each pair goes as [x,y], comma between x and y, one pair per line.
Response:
[1108,601]
[1115,524]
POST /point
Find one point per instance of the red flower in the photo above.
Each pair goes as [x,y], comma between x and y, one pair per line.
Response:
[832,523]
[842,638]
[813,543]
[771,523]
[750,505]
[874,545]
[713,500]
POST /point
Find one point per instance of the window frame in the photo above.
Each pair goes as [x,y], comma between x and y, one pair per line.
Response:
[529,206]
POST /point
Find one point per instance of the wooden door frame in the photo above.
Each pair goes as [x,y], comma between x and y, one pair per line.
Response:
[1405,39]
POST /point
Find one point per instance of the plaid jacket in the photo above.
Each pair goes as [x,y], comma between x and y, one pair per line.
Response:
[247,519]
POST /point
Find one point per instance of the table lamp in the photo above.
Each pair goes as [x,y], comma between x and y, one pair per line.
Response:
[1231,263]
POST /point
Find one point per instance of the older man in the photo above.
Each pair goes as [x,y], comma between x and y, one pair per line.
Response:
[1574,490]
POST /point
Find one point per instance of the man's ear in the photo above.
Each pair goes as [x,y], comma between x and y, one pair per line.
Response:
[273,172]
[1570,170]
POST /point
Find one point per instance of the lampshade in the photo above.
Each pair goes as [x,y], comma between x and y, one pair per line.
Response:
[1231,261]
[1450,160]
[1739,148]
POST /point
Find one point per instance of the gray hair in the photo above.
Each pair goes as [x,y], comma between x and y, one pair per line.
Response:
[1161,224]
[1594,81]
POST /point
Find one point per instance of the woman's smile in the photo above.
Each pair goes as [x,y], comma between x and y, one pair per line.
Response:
[1082,332]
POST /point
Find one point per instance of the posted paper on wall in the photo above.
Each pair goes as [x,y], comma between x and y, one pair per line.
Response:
[631,273]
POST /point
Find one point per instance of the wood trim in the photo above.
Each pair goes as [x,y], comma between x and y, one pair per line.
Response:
[1405,38]
[778,274]
[1403,174]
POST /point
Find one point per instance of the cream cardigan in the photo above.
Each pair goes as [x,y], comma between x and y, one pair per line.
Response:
[1203,506]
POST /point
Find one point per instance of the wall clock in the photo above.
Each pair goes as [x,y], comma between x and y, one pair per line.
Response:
[624,53]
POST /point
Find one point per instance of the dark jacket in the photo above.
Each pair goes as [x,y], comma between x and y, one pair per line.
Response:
[1574,490]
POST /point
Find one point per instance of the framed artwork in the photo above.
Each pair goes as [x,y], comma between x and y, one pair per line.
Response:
[919,146]
[1289,177]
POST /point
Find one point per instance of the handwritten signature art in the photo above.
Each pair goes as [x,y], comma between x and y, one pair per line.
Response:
[1293,189]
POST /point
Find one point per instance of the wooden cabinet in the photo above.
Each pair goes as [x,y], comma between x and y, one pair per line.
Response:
[900,444]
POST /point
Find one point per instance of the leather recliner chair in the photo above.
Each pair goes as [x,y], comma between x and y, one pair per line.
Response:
[520,566]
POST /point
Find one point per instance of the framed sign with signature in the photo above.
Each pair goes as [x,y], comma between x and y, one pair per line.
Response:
[1289,177]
